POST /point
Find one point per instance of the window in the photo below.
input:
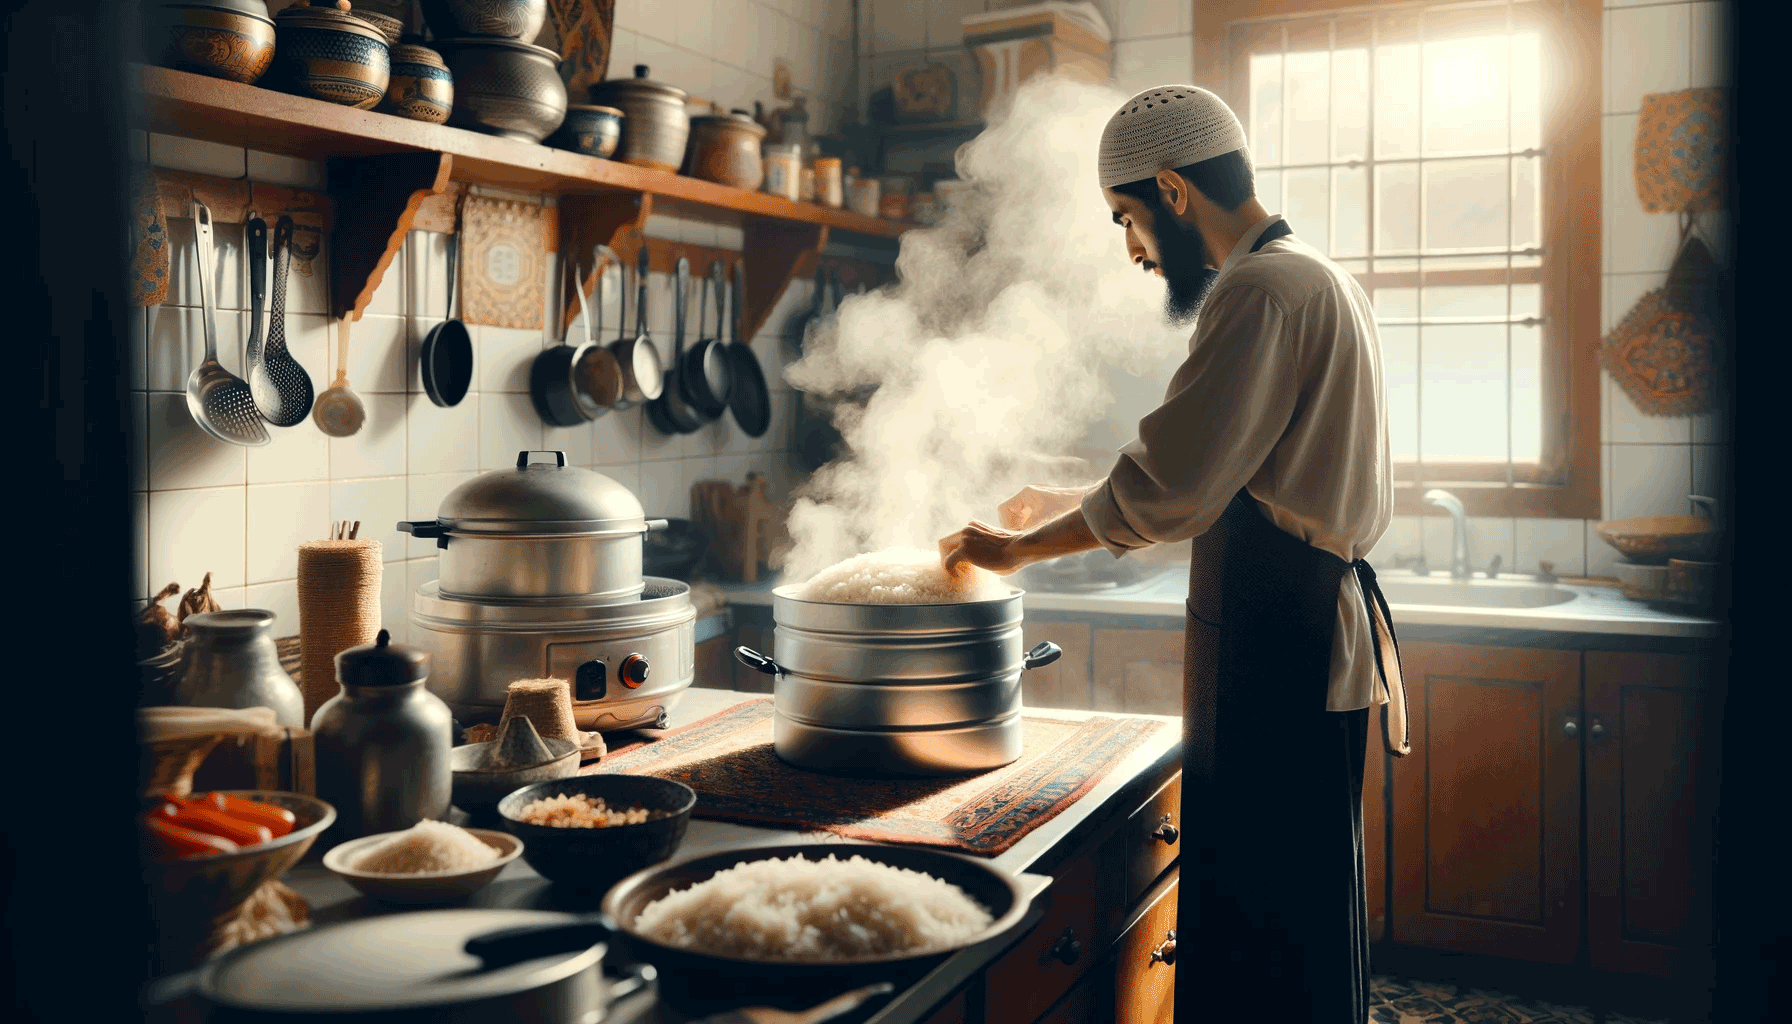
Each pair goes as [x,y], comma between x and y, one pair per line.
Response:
[1447,154]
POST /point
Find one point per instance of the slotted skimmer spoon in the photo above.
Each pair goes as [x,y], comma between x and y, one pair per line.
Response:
[281,386]
[338,411]
[219,400]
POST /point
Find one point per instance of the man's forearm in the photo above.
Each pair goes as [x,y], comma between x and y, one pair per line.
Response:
[1067,534]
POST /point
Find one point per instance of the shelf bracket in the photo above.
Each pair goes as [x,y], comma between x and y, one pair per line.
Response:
[781,251]
[377,200]
[586,222]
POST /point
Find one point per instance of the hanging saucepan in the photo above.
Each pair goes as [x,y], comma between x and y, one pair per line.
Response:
[669,413]
[748,397]
[413,967]
[550,375]
[706,372]
[596,376]
[446,358]
[638,358]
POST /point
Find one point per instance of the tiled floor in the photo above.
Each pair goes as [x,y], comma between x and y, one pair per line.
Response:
[1403,1001]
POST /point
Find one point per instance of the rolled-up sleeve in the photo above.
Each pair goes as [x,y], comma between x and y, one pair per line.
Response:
[1226,407]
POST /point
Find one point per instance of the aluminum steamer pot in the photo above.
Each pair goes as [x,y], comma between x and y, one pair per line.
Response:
[539,531]
[403,968]
[908,689]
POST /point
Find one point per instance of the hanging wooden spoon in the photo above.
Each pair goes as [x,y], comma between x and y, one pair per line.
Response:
[339,412]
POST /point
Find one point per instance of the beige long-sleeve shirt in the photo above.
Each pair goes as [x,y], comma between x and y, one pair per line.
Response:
[1281,394]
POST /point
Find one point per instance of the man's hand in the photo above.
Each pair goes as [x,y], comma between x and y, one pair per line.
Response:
[1004,551]
[982,545]
[1036,504]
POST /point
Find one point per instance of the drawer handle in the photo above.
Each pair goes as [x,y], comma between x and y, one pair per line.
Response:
[1165,953]
[1166,832]
[1067,950]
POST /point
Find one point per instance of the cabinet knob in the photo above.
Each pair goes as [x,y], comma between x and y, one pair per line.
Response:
[1597,730]
[1165,953]
[1569,729]
[1166,832]
[1067,950]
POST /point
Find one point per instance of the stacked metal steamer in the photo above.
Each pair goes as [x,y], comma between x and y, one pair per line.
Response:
[540,576]
[897,689]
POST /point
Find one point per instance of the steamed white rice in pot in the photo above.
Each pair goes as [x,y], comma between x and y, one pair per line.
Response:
[901,576]
[799,909]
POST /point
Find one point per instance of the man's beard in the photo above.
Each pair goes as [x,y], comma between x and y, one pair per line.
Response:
[1182,255]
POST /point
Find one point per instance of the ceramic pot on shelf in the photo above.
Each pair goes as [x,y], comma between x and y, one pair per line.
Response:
[503,87]
[421,87]
[654,124]
[328,54]
[231,39]
[589,129]
[519,20]
[725,149]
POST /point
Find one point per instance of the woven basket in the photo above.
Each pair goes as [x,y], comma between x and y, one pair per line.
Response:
[168,765]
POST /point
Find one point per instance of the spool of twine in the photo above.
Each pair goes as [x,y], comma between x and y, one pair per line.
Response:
[339,608]
[545,702]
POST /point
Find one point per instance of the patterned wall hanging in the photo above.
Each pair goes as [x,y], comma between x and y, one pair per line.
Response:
[503,263]
[149,230]
[1680,155]
[1664,352]
[583,27]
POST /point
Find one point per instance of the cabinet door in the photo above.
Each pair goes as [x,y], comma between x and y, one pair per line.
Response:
[1138,670]
[1145,958]
[1065,682]
[1066,943]
[1486,808]
[1651,737]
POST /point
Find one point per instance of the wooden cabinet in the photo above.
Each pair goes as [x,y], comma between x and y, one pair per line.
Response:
[1144,960]
[1065,944]
[1138,671]
[1651,735]
[1486,808]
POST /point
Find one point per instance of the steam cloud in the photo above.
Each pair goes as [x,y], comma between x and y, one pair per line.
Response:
[991,356]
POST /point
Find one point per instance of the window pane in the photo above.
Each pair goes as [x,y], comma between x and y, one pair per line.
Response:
[1460,303]
[1463,404]
[1308,106]
[1269,191]
[1465,205]
[1527,300]
[1527,393]
[1397,208]
[1527,204]
[1350,105]
[1308,197]
[1265,129]
[1350,211]
[1465,95]
[1396,101]
[1396,303]
[1527,91]
[1400,379]
[1353,266]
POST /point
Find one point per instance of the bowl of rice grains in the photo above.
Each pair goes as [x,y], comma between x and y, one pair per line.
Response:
[430,862]
[587,832]
[789,926]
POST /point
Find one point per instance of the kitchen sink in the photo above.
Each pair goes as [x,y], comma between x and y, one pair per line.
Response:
[1494,593]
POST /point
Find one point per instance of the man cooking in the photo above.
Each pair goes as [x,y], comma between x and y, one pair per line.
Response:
[1271,451]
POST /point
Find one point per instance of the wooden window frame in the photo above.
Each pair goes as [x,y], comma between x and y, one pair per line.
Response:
[1565,482]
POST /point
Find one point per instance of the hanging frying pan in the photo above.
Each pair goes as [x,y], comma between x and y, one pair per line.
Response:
[596,376]
[550,375]
[639,360]
[748,397]
[669,413]
[705,373]
[447,354]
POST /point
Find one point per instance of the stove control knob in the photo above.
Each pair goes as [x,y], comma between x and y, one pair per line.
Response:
[632,671]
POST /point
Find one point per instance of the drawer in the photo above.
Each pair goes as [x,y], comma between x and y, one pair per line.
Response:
[1144,960]
[1153,838]
[1030,978]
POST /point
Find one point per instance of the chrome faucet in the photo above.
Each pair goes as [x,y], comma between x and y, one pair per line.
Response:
[1459,569]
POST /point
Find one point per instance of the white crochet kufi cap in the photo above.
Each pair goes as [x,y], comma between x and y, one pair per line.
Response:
[1166,127]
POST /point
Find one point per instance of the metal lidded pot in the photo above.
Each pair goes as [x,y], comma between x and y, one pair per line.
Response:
[541,530]
[909,689]
[232,662]
[654,123]
[383,742]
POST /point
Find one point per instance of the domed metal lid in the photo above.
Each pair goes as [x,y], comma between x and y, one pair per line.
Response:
[542,497]
[612,90]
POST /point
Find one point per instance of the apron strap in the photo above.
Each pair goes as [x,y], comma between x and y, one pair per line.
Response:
[1387,653]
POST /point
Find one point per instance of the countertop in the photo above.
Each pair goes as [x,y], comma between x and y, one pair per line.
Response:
[1129,785]
[1595,609]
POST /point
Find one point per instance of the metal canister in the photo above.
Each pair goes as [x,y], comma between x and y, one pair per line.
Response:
[232,662]
[382,744]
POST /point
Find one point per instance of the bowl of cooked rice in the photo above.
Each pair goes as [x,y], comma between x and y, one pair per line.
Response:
[589,831]
[431,862]
[789,926]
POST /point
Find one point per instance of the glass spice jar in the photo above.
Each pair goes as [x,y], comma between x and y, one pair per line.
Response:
[829,190]
[783,171]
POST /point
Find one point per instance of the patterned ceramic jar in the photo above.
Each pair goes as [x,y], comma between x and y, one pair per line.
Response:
[725,149]
[231,39]
[503,87]
[328,54]
[421,87]
[507,19]
[589,129]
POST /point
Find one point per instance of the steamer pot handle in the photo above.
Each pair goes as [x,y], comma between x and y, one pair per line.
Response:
[522,457]
[425,529]
[658,524]
[753,659]
[1042,655]
[508,946]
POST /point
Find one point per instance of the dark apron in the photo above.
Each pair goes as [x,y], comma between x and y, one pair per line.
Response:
[1272,921]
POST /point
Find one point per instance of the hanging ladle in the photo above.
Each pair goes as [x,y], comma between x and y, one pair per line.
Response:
[338,411]
[220,401]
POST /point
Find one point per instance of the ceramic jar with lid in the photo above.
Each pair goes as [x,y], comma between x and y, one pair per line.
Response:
[326,53]
[231,661]
[520,20]
[654,124]
[503,87]
[231,39]
[725,149]
[421,87]
[383,742]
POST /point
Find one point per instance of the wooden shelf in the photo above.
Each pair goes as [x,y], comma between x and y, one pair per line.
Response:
[194,106]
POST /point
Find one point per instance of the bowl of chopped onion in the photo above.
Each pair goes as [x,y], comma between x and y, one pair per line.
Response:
[591,831]
[430,862]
